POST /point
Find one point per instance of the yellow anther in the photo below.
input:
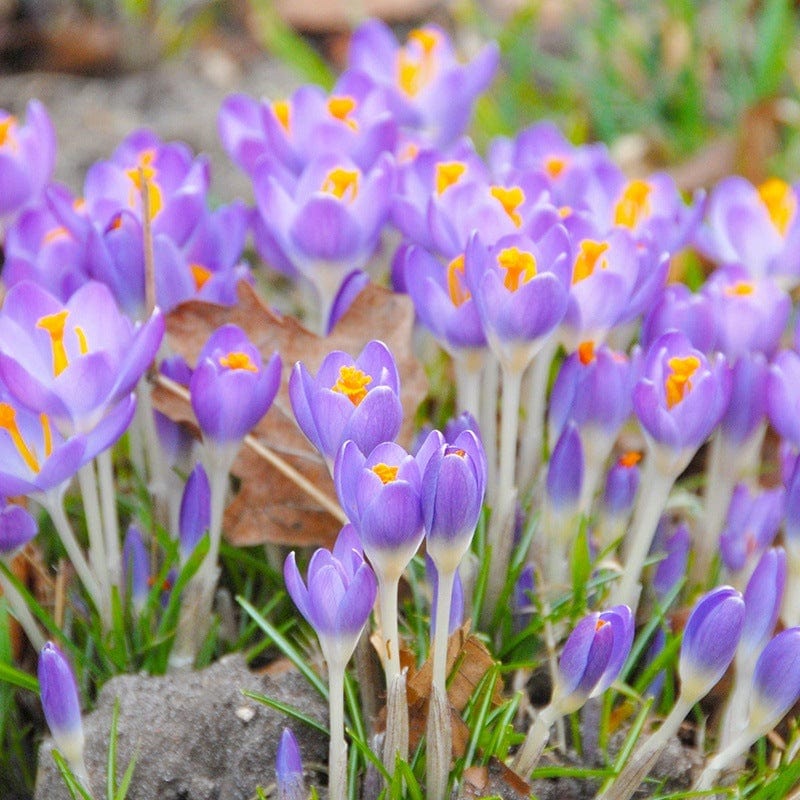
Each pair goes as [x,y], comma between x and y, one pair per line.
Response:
[554,165]
[511,199]
[634,204]
[600,624]
[143,178]
[586,261]
[341,107]
[679,382]
[416,69]
[740,289]
[520,267]
[200,275]
[238,360]
[586,352]
[448,173]
[459,293]
[780,201]
[47,434]
[630,459]
[54,234]
[83,344]
[426,39]
[386,473]
[7,126]
[8,422]
[54,325]
[564,211]
[352,383]
[281,109]
[341,183]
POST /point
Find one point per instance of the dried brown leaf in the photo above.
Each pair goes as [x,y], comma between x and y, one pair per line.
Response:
[269,507]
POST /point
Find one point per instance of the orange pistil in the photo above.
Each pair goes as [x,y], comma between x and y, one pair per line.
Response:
[416,69]
[511,199]
[630,459]
[520,267]
[554,166]
[586,352]
[352,383]
[586,261]
[200,275]
[54,324]
[143,178]
[47,434]
[634,204]
[740,289]
[341,107]
[341,183]
[459,294]
[448,173]
[679,382]
[386,473]
[83,344]
[780,201]
[7,127]
[54,234]
[600,624]
[238,360]
[8,422]
[281,109]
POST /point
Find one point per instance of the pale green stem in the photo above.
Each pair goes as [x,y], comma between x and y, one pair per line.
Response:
[444,596]
[734,718]
[723,759]
[488,422]
[337,749]
[654,490]
[94,524]
[468,368]
[108,507]
[500,534]
[387,598]
[156,475]
[550,639]
[644,757]
[19,608]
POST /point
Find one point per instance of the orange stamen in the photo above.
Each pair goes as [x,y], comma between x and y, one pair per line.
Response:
[8,421]
[54,325]
[586,352]
[740,289]
[586,261]
[780,201]
[459,294]
[341,107]
[200,275]
[633,205]
[83,344]
[630,459]
[47,434]
[511,199]
[7,126]
[55,234]
[386,473]
[448,173]
[678,382]
[238,360]
[520,267]
[554,166]
[281,109]
[341,183]
[143,178]
[352,383]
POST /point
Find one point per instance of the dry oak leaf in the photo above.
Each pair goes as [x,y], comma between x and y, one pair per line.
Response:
[268,506]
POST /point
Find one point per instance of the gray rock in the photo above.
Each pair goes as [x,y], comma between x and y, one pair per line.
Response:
[194,735]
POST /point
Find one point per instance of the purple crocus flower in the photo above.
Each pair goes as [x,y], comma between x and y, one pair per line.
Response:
[231,387]
[680,309]
[709,641]
[453,488]
[289,769]
[776,682]
[338,599]
[195,513]
[381,495]
[622,483]
[60,703]
[351,287]
[680,397]
[17,528]
[27,157]
[749,399]
[523,600]
[762,598]
[565,472]
[135,567]
[672,567]
[429,91]
[73,360]
[350,398]
[592,657]
[783,395]
[757,226]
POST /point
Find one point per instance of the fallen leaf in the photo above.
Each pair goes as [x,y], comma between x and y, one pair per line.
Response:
[268,506]
[493,780]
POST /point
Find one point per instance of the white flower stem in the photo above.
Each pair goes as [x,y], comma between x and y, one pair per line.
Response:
[337,749]
[19,608]
[734,718]
[655,487]
[723,759]
[488,422]
[387,598]
[468,368]
[108,508]
[444,596]
[500,534]
[535,741]
[645,756]
[94,523]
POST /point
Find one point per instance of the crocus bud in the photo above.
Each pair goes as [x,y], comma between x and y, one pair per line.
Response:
[709,640]
[135,567]
[524,590]
[289,769]
[62,710]
[195,513]
[673,566]
[783,399]
[622,483]
[762,598]
[565,472]
[776,682]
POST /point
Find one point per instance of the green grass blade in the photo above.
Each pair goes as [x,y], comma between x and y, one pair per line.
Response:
[285,708]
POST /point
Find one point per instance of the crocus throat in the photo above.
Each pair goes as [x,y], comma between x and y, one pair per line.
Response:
[740,289]
[416,66]
[282,110]
[634,204]
[7,127]
[386,473]
[352,383]
[341,183]
[588,258]
[511,198]
[520,267]
[8,422]
[54,324]
[238,360]
[143,177]
[679,382]
[459,293]
[448,173]
[341,107]
[780,201]
[630,459]
[600,624]
[586,352]
[554,165]
[200,275]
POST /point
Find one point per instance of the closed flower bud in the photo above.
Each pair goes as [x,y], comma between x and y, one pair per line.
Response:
[60,703]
